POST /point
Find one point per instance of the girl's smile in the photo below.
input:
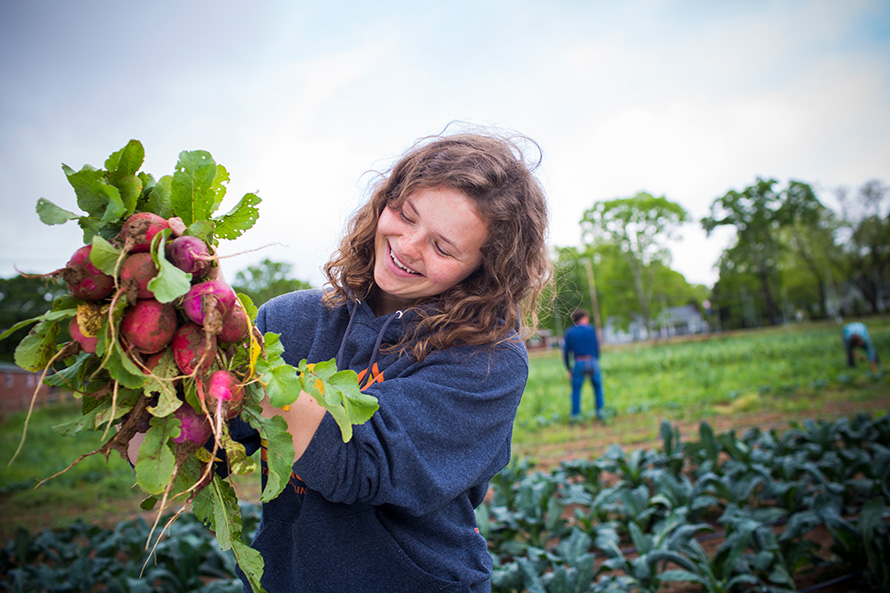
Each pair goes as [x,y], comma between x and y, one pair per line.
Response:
[426,246]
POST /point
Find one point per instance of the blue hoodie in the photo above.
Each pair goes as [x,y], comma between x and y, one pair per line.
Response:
[391,510]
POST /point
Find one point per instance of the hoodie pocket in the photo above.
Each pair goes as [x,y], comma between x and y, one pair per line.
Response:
[356,553]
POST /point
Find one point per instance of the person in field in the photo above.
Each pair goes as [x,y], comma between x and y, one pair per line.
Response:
[580,342]
[855,337]
[426,299]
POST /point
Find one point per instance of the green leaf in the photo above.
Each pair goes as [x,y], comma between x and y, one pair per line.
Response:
[248,305]
[251,562]
[217,507]
[239,219]
[72,377]
[84,182]
[236,454]
[218,187]
[339,393]
[91,227]
[678,575]
[162,383]
[37,348]
[279,445]
[171,282]
[282,384]
[130,188]
[279,379]
[273,347]
[204,230]
[115,209]
[159,197]
[126,161]
[19,326]
[49,213]
[104,255]
[123,370]
[193,195]
[359,405]
[88,421]
[126,399]
[156,462]
[224,515]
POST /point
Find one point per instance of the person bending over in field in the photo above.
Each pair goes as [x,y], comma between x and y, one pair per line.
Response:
[856,338]
[425,299]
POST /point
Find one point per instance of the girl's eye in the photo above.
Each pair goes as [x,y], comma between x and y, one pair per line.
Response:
[404,216]
[441,251]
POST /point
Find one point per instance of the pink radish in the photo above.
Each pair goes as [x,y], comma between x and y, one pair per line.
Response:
[140,229]
[193,426]
[139,269]
[201,297]
[87,343]
[189,254]
[85,281]
[225,391]
[148,326]
[234,325]
[191,346]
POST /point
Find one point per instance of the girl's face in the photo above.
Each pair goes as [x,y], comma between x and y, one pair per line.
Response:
[429,244]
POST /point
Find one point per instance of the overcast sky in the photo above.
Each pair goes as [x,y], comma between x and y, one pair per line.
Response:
[686,99]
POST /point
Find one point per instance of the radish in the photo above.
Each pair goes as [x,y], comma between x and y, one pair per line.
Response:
[189,254]
[201,298]
[228,393]
[192,347]
[87,343]
[234,325]
[138,270]
[85,281]
[148,326]
[140,229]
[193,428]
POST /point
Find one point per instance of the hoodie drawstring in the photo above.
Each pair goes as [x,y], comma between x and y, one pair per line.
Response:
[377,343]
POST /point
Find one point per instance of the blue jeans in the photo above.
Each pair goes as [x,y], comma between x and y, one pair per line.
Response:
[588,367]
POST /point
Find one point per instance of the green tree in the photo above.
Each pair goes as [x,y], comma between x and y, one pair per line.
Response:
[809,231]
[638,227]
[267,279]
[754,212]
[866,219]
[24,298]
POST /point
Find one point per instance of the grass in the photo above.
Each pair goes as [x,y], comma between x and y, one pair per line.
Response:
[785,368]
[789,370]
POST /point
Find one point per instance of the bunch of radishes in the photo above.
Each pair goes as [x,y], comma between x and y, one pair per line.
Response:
[199,331]
[163,350]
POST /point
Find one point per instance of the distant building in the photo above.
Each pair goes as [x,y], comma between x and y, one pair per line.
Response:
[636,331]
[541,340]
[17,387]
[673,321]
[681,321]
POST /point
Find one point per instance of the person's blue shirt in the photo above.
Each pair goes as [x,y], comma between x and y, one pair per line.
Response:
[580,340]
[858,330]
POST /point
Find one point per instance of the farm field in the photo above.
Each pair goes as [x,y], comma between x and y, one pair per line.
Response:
[765,377]
[770,380]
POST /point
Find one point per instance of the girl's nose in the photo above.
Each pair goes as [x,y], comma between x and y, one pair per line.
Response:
[410,244]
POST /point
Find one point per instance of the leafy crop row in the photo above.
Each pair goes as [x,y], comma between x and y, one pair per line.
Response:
[634,522]
[627,521]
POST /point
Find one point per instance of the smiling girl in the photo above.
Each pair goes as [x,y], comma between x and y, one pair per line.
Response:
[426,300]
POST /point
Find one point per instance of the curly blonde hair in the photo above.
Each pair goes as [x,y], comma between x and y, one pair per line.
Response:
[501,295]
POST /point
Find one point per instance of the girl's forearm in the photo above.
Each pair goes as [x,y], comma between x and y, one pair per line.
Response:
[303,418]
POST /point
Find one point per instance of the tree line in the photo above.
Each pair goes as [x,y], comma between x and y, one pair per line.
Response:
[792,257]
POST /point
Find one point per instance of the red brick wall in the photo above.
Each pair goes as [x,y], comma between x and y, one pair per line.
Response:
[17,388]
